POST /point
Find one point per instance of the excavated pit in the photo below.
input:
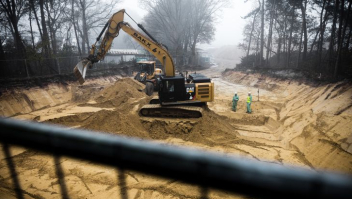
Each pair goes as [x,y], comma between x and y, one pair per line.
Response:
[292,124]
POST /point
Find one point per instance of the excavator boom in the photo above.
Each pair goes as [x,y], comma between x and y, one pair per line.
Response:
[113,27]
[154,48]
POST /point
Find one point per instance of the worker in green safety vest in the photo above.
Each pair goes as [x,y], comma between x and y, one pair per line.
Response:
[234,102]
[249,102]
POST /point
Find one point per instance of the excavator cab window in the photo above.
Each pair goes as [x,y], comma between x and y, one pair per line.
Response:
[169,87]
[146,68]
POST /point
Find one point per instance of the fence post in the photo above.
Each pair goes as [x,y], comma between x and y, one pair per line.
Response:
[25,64]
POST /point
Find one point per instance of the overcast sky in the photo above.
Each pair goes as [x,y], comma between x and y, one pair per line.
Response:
[228,28]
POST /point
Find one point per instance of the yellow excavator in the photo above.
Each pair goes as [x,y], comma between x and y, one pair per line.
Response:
[178,96]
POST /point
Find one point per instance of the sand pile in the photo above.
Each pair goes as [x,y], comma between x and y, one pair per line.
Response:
[195,130]
[127,122]
[125,96]
[84,93]
[123,91]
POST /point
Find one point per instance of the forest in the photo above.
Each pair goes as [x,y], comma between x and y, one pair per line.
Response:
[35,34]
[308,35]
[38,36]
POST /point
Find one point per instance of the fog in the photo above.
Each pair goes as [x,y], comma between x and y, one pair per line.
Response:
[229,24]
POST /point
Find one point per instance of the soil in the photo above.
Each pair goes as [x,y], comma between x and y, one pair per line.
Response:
[292,123]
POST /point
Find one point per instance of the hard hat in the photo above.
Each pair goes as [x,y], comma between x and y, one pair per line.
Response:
[249,92]
[235,92]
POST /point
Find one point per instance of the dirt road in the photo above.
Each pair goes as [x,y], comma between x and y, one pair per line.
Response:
[291,124]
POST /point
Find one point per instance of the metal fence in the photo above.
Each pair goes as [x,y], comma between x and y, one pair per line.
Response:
[25,68]
[209,170]
[42,67]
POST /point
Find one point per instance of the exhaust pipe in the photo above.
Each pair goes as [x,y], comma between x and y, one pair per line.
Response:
[81,69]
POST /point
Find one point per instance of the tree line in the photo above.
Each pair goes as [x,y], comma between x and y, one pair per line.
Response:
[312,35]
[62,26]
[41,30]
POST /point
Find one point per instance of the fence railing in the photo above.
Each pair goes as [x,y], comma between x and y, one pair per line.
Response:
[209,170]
[27,68]
[42,67]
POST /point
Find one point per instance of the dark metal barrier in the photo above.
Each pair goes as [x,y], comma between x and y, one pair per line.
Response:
[229,173]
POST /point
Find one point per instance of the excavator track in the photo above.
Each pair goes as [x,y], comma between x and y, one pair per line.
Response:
[156,110]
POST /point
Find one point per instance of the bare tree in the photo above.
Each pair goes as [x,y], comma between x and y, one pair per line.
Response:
[322,31]
[93,14]
[74,22]
[168,21]
[251,34]
[262,33]
[332,35]
[45,38]
[3,35]
[32,6]
[303,7]
[340,38]
[203,13]
[272,9]
[346,25]
[55,11]
[249,31]
[14,10]
[291,32]
[183,24]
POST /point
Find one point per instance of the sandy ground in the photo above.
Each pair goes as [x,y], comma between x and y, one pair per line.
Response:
[292,124]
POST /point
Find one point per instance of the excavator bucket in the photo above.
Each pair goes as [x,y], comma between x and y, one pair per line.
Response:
[81,69]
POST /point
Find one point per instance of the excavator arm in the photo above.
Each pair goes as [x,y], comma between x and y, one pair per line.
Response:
[154,48]
[112,28]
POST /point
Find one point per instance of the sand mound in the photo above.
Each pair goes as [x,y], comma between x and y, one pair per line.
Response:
[129,123]
[84,93]
[195,130]
[122,91]
[125,96]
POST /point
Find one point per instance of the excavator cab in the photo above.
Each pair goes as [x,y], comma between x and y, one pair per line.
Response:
[172,89]
[147,71]
[175,91]
[146,68]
